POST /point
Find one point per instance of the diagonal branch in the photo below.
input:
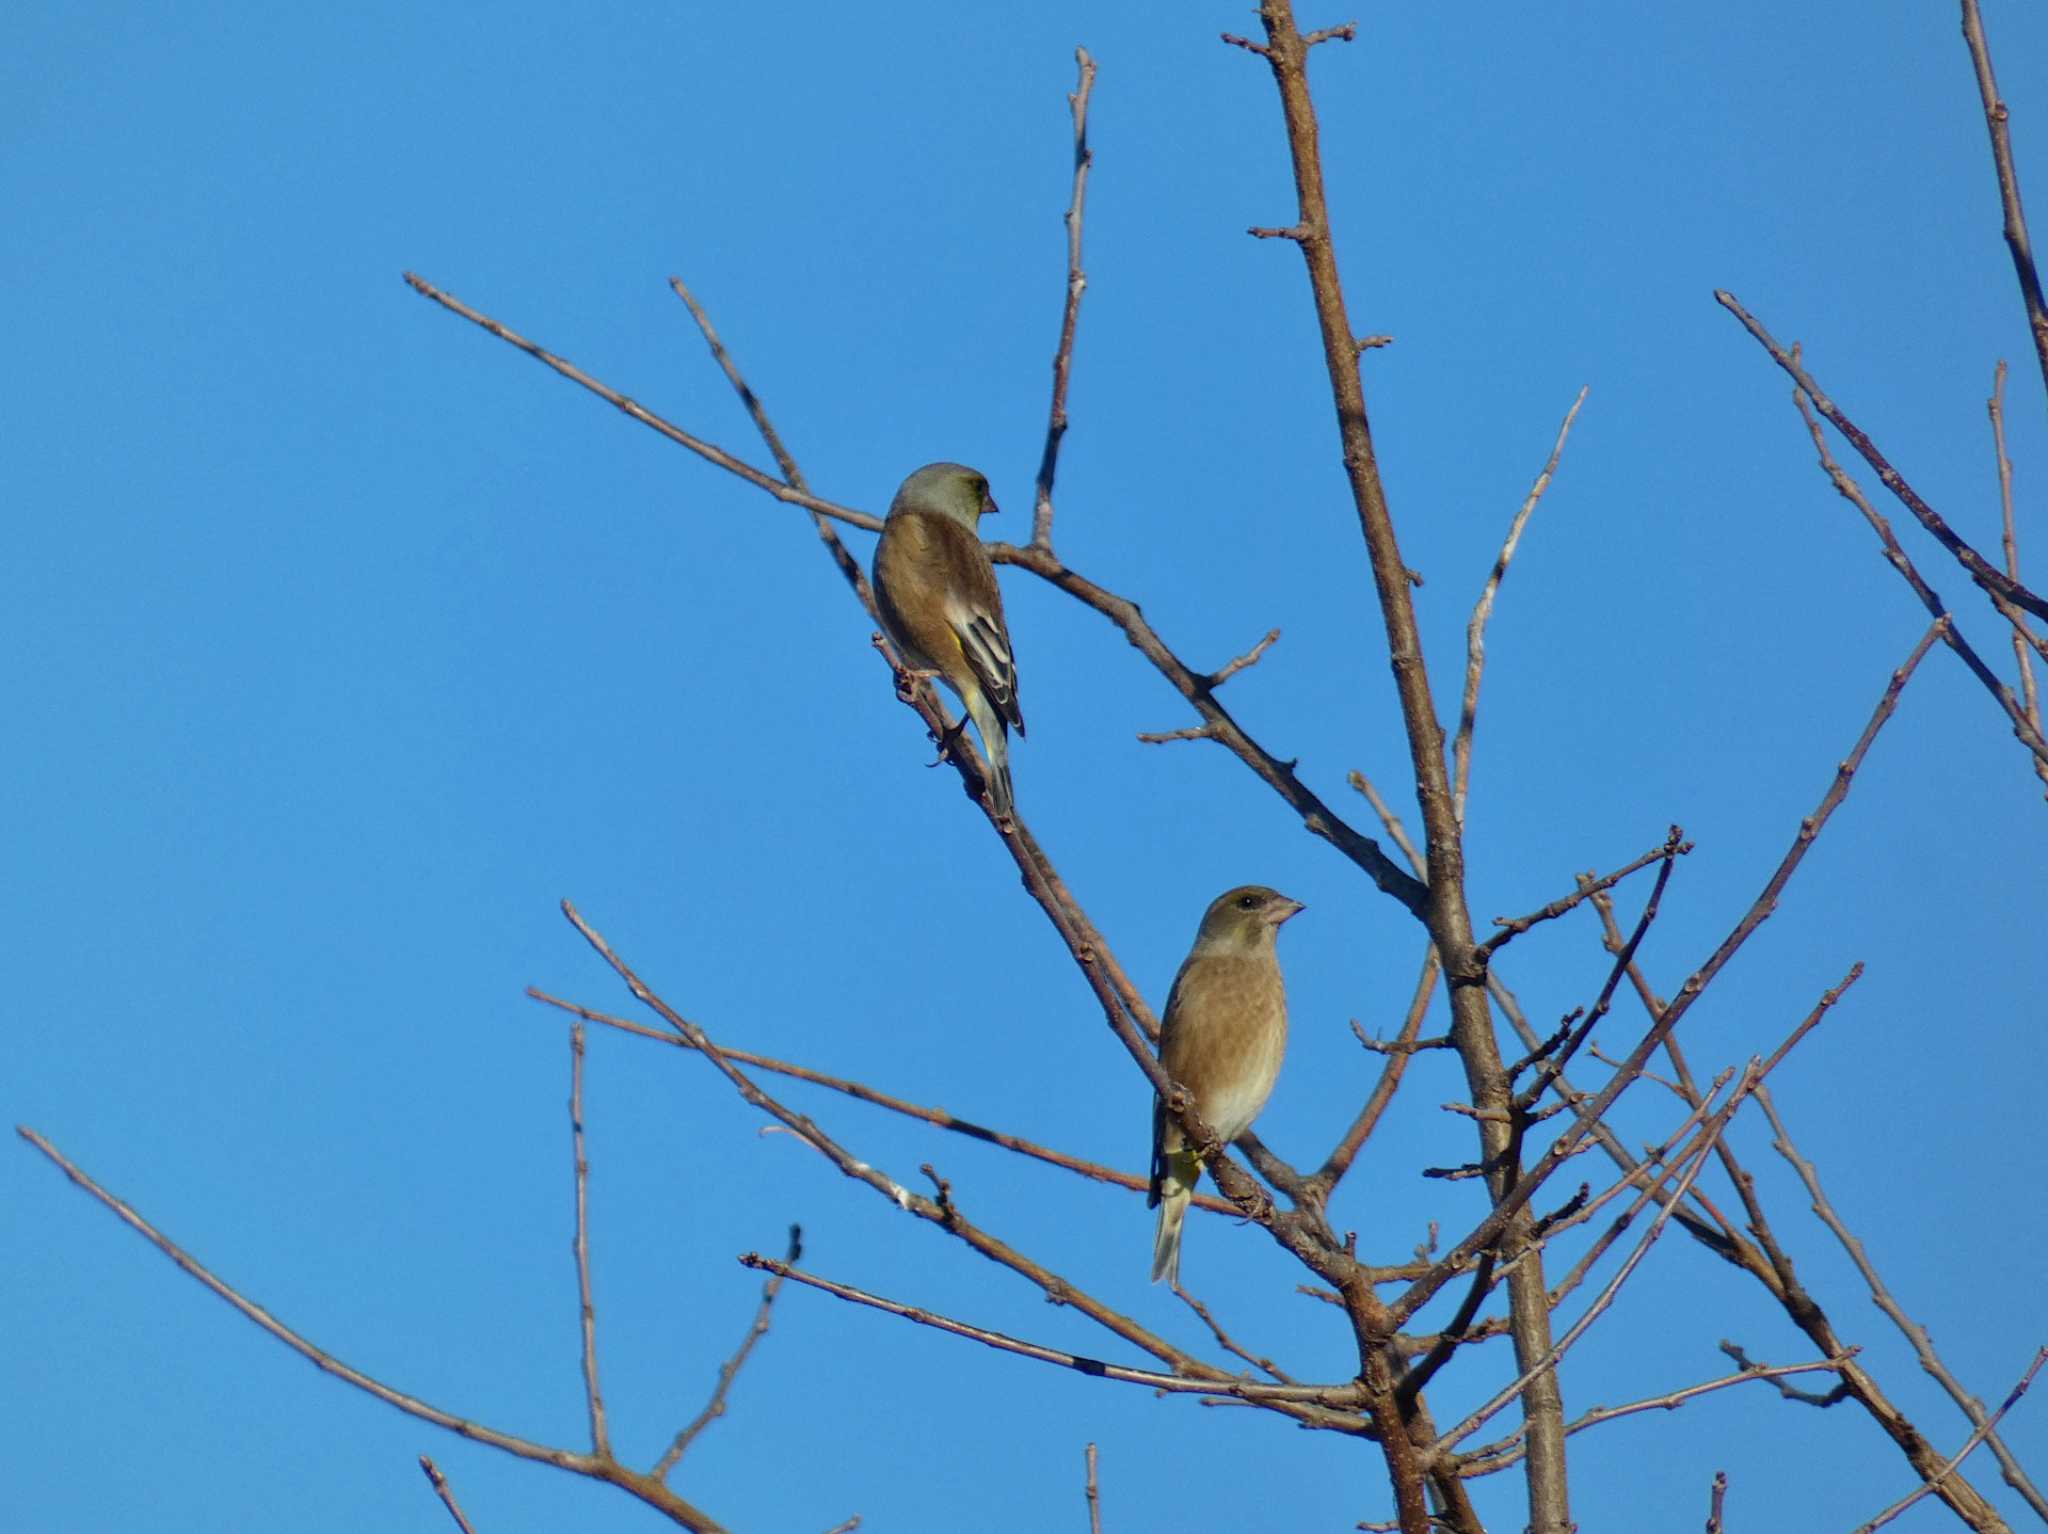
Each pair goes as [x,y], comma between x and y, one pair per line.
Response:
[1334,1398]
[1489,1230]
[730,1369]
[1992,580]
[445,1492]
[1998,121]
[1983,1431]
[937,1117]
[1482,611]
[1923,1345]
[599,1468]
[2024,639]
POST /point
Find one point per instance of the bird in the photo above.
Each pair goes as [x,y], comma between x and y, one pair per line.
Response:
[937,597]
[1223,1037]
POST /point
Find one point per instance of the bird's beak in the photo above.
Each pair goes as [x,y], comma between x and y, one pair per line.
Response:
[989,508]
[1285,911]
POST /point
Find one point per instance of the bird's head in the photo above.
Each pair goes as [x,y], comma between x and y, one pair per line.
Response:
[1244,920]
[946,490]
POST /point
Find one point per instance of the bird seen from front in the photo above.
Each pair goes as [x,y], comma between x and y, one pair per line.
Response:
[1223,1037]
[937,596]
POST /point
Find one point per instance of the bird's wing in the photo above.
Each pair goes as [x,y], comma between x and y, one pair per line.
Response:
[974,608]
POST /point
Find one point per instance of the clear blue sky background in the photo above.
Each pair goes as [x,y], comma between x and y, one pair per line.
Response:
[342,642]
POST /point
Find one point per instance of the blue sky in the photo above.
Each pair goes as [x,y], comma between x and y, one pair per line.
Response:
[343,642]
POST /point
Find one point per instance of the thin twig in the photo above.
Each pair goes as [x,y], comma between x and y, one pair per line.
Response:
[608,1470]
[1398,1053]
[1513,927]
[1983,1431]
[446,1493]
[1339,1397]
[1569,1140]
[1717,1496]
[729,1370]
[1499,1456]
[600,1439]
[647,418]
[1077,284]
[1820,1400]
[1923,1345]
[1296,1229]
[1998,120]
[1482,610]
[2024,640]
[938,1117]
[1225,1341]
[1249,658]
[1698,1154]
[1992,580]
[1896,556]
[1094,1496]
[849,567]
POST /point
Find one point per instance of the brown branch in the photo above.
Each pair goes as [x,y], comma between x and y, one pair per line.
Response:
[848,566]
[730,1369]
[1499,1456]
[1226,1342]
[1895,555]
[447,1495]
[1482,611]
[1819,1400]
[1998,121]
[1568,1141]
[1077,284]
[600,1439]
[1094,1496]
[706,450]
[1336,1398]
[1672,846]
[1716,1497]
[598,1468]
[937,1117]
[1697,1155]
[1881,1296]
[1168,737]
[1396,832]
[1993,581]
[1398,1053]
[1249,658]
[2024,639]
[1443,906]
[1292,1228]
[1983,1431]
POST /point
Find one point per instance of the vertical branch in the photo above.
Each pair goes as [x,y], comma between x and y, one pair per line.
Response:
[600,1440]
[2023,639]
[1094,1492]
[1077,284]
[1997,121]
[1445,910]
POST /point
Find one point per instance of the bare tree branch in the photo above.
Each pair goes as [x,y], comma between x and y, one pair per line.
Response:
[2024,639]
[1094,1496]
[442,1490]
[730,1369]
[597,1467]
[1992,580]
[1334,1398]
[600,1439]
[1923,1345]
[1997,120]
[1983,1431]
[1482,611]
[1077,284]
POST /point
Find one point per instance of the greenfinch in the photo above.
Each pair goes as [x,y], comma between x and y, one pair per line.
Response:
[1224,1034]
[937,595]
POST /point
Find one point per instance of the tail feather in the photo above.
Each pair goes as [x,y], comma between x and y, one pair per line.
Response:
[1173,1185]
[995,745]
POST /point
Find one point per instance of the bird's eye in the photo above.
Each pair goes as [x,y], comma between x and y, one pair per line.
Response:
[1248,902]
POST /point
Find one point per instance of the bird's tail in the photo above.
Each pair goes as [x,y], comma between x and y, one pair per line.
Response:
[995,745]
[1176,1187]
